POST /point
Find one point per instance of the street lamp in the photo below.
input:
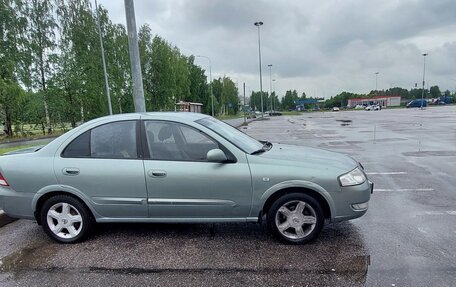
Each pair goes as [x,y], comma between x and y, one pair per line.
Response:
[258,24]
[270,83]
[376,75]
[424,72]
[210,80]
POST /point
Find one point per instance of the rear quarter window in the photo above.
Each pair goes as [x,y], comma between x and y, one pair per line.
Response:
[79,147]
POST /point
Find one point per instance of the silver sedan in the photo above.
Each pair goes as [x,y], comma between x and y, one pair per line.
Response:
[178,167]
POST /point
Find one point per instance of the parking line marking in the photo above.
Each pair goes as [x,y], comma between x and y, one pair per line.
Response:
[387,173]
[434,213]
[416,189]
[403,189]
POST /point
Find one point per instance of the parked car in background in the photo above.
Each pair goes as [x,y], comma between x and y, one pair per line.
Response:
[373,108]
[417,103]
[336,109]
[275,113]
[359,107]
[179,167]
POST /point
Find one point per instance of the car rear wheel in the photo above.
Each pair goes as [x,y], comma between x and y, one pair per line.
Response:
[66,219]
[296,218]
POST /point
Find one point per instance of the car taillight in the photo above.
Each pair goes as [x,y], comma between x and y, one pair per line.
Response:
[3,180]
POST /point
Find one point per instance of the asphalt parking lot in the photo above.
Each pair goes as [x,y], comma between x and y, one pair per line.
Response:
[407,238]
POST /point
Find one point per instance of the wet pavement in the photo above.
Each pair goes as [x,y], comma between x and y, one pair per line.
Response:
[407,238]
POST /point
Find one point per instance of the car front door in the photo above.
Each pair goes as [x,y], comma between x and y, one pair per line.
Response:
[181,183]
[104,165]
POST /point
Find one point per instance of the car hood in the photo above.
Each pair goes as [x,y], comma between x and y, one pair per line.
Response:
[309,157]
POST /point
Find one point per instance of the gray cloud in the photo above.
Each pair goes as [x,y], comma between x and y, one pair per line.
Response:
[321,48]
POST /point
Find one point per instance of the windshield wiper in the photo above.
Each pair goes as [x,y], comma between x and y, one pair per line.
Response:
[266,146]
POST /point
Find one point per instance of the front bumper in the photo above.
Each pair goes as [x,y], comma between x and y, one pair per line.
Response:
[352,201]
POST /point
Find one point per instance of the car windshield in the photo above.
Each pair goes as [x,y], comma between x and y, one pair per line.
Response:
[231,134]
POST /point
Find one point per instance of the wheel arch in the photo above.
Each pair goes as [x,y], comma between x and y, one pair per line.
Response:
[313,190]
[48,192]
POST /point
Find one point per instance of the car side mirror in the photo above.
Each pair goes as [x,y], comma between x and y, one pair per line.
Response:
[216,155]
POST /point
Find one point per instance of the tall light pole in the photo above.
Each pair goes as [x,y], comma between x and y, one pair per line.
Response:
[270,83]
[133,48]
[424,72]
[103,60]
[210,81]
[258,24]
[376,76]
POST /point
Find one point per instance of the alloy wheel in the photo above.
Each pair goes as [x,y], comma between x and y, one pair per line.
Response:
[295,219]
[64,220]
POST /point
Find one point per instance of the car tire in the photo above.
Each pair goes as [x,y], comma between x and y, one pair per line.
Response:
[296,218]
[66,219]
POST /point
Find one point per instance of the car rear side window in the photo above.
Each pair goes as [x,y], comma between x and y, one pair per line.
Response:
[80,147]
[113,140]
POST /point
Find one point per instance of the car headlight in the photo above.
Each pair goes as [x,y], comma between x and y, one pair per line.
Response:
[354,177]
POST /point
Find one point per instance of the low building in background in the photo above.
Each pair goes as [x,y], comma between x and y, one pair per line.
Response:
[384,101]
[189,107]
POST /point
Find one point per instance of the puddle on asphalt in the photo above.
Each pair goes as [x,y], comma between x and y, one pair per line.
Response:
[345,122]
[17,260]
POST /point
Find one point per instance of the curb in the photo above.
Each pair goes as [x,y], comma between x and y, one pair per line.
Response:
[5,219]
[13,141]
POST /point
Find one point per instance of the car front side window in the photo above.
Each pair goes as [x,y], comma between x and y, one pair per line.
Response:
[174,141]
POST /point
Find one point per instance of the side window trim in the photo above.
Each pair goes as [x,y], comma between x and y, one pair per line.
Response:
[145,147]
[139,146]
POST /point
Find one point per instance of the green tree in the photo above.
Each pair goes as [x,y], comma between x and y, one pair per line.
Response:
[115,41]
[80,49]
[397,91]
[417,93]
[14,60]
[435,92]
[289,100]
[199,89]
[42,43]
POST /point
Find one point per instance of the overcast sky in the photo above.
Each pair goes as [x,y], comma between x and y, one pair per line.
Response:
[320,47]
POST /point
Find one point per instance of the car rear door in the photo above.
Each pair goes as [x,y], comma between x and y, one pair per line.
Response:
[181,183]
[104,165]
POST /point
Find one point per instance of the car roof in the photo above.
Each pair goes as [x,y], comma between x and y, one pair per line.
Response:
[179,116]
[185,116]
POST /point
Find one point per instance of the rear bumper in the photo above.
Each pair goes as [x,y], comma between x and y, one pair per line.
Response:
[16,204]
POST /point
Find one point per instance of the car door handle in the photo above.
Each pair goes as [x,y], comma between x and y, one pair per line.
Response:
[156,173]
[70,171]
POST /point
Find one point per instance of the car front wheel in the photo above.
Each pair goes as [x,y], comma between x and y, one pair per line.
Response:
[65,219]
[296,218]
